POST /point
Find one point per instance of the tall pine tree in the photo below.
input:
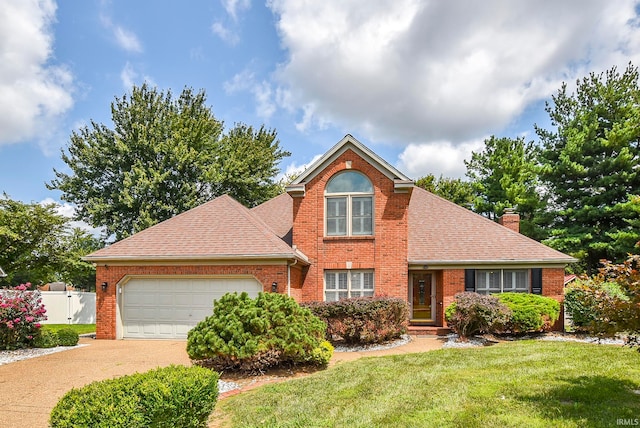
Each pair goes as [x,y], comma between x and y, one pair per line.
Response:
[591,167]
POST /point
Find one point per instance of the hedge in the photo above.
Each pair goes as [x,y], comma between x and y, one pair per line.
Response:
[174,396]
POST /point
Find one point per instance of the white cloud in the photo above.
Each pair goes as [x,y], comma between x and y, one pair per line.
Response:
[226,34]
[262,92]
[425,71]
[130,76]
[127,40]
[437,158]
[295,169]
[230,33]
[234,6]
[67,210]
[34,94]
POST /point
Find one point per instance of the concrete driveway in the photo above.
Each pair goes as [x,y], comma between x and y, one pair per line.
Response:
[29,389]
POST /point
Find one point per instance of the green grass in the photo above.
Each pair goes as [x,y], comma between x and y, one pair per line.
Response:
[78,328]
[524,383]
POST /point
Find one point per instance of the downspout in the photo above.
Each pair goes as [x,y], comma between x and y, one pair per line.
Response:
[295,261]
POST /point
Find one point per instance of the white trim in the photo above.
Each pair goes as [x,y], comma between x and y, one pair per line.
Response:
[348,142]
[487,264]
[348,273]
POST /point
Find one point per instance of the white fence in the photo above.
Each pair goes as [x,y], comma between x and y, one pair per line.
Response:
[69,307]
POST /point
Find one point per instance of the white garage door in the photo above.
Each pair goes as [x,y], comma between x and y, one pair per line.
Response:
[164,308]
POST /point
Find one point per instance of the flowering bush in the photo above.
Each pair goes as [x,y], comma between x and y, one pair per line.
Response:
[21,311]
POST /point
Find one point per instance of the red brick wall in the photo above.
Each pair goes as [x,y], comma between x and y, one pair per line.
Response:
[106,301]
[553,286]
[385,252]
[452,284]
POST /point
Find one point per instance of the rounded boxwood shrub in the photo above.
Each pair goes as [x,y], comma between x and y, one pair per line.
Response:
[473,313]
[67,337]
[253,334]
[46,339]
[363,320]
[530,312]
[174,396]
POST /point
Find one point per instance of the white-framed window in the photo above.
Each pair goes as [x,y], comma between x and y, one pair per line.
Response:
[502,281]
[343,284]
[349,205]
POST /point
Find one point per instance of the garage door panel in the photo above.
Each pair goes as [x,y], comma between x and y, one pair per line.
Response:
[167,308]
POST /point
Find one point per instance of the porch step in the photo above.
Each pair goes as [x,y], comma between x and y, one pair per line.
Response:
[424,330]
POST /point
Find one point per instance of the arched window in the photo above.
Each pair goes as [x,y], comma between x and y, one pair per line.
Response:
[349,205]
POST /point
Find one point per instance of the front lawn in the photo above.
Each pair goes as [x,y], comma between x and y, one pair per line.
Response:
[78,328]
[524,383]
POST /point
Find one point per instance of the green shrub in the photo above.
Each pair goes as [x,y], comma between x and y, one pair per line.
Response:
[584,301]
[253,334]
[530,312]
[45,339]
[174,396]
[473,313]
[363,320]
[67,337]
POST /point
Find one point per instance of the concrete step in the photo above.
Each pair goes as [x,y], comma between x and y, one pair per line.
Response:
[428,330]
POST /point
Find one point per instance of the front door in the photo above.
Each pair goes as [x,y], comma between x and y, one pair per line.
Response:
[422,297]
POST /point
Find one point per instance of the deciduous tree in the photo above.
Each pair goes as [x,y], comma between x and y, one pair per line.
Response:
[38,246]
[453,189]
[163,156]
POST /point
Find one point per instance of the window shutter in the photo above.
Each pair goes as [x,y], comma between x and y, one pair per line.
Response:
[470,280]
[536,281]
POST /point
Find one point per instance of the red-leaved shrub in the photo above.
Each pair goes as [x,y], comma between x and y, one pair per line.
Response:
[363,320]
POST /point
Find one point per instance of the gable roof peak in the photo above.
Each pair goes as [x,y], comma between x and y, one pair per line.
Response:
[349,142]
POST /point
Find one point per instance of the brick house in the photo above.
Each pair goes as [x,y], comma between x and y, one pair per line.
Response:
[350,225]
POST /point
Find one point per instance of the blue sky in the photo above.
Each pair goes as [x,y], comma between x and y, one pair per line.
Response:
[422,83]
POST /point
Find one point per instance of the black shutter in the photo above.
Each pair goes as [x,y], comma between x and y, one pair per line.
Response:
[536,281]
[470,280]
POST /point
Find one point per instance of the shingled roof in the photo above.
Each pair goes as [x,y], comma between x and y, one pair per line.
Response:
[220,229]
[443,233]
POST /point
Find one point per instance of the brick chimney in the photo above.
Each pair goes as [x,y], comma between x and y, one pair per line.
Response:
[510,219]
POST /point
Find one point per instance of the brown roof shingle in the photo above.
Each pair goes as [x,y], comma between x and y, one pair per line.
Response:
[441,231]
[221,228]
[277,213]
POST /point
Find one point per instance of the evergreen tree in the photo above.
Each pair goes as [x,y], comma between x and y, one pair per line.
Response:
[591,166]
[505,175]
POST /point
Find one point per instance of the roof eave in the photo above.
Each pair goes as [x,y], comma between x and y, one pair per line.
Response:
[299,257]
[434,264]
[376,161]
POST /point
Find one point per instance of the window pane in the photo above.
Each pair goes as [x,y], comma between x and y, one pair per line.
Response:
[349,182]
[516,280]
[336,216]
[330,281]
[368,281]
[342,281]
[356,280]
[488,281]
[361,215]
[330,296]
